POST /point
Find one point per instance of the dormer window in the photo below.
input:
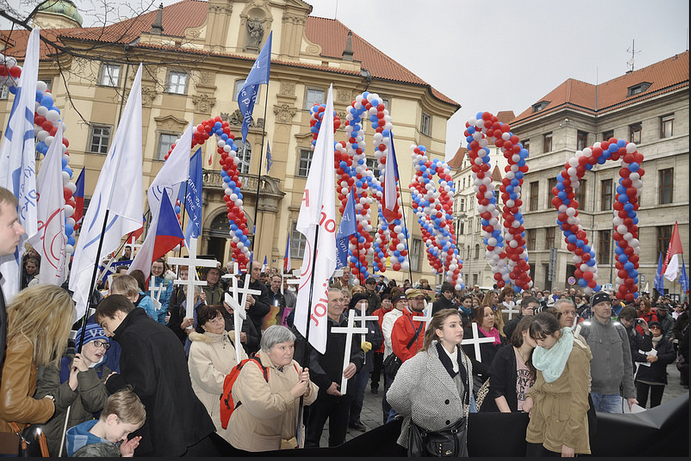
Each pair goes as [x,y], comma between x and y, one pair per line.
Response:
[638,89]
[540,105]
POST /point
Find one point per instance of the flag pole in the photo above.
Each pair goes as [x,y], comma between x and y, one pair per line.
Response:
[305,353]
[405,227]
[259,176]
[183,223]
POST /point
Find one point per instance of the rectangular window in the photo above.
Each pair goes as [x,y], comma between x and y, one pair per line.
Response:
[667,126]
[549,237]
[664,235]
[415,252]
[530,237]
[298,241]
[165,142]
[425,123]
[547,143]
[100,138]
[238,87]
[3,92]
[477,251]
[579,194]
[606,195]
[604,246]
[551,184]
[110,75]
[305,162]
[526,144]
[177,82]
[607,134]
[581,140]
[635,133]
[312,97]
[462,204]
[666,178]
[372,165]
[534,191]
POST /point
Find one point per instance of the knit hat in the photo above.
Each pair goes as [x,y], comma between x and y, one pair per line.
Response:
[92,332]
[655,323]
[356,298]
[599,297]
[398,298]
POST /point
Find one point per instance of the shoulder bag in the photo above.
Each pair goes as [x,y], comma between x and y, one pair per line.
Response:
[452,441]
[392,363]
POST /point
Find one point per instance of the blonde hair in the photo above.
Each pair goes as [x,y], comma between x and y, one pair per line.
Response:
[43,315]
[127,406]
[124,284]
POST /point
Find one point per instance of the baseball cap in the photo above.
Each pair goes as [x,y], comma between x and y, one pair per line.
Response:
[414,293]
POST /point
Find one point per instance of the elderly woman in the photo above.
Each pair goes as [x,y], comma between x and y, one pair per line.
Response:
[212,356]
[266,412]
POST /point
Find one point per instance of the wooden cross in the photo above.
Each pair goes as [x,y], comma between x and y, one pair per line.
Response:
[237,302]
[476,340]
[427,317]
[349,331]
[192,262]
[511,311]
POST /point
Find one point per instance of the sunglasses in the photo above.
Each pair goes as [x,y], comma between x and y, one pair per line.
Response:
[104,344]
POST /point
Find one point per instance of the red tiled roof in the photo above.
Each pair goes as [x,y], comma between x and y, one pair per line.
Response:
[664,76]
[457,160]
[496,174]
[330,34]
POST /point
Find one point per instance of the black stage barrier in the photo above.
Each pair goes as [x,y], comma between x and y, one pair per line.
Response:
[660,431]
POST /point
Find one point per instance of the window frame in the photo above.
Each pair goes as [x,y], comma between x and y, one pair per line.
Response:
[534,200]
[298,242]
[606,194]
[177,85]
[301,160]
[604,246]
[550,237]
[665,178]
[635,132]
[308,103]
[243,159]
[579,193]
[110,84]
[530,239]
[425,124]
[667,126]
[160,155]
[581,140]
[92,134]
[547,141]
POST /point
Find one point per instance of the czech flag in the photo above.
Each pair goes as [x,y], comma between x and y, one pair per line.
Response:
[79,198]
[286,259]
[168,232]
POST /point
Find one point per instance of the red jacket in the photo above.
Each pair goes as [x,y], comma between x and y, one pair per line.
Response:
[403,331]
[380,313]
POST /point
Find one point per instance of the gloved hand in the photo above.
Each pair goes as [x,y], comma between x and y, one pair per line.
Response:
[366,346]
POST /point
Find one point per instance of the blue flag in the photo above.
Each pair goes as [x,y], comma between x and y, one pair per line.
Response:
[347,228]
[269,160]
[684,278]
[659,282]
[259,74]
[193,198]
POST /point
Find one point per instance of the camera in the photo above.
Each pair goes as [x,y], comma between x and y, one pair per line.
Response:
[640,321]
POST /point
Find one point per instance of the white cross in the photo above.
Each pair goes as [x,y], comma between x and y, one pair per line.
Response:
[292,281]
[349,331]
[240,314]
[155,292]
[427,317]
[511,311]
[476,340]
[192,262]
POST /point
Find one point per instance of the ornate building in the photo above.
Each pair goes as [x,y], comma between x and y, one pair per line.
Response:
[196,55]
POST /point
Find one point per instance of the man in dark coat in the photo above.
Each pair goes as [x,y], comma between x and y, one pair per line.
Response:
[260,305]
[445,301]
[153,362]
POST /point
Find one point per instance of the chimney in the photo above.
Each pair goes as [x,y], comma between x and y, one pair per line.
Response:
[157,26]
[348,52]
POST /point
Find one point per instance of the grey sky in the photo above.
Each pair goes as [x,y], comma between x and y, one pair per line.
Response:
[506,54]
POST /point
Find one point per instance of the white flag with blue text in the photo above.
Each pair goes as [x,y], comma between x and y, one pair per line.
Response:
[18,161]
[118,194]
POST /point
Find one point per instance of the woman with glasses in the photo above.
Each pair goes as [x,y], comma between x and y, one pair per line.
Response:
[212,356]
[76,382]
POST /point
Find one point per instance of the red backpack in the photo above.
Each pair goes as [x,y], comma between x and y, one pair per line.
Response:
[227,403]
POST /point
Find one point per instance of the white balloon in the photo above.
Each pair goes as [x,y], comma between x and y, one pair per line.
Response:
[53,115]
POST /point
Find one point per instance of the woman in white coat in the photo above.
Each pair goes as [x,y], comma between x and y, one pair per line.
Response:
[433,388]
[212,356]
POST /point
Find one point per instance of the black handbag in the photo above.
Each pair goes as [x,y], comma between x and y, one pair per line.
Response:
[31,440]
[450,441]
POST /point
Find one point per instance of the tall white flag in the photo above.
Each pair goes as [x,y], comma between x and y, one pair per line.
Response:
[318,212]
[50,240]
[118,194]
[174,171]
[18,161]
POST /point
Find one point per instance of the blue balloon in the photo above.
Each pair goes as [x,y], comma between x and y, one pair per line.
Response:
[621,143]
[613,148]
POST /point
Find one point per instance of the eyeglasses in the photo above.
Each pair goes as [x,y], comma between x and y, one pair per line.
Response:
[655,327]
[104,344]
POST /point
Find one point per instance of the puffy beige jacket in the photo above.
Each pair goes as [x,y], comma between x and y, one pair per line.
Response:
[266,418]
[211,358]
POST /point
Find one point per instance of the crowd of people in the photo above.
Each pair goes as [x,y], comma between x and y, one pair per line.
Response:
[142,377]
